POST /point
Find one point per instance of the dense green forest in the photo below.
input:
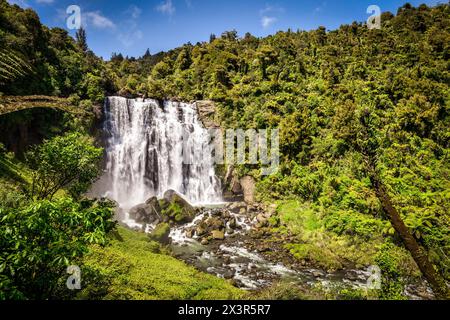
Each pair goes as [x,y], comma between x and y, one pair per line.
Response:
[364,115]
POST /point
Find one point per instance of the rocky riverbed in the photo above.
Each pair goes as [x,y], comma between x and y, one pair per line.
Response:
[234,241]
[230,242]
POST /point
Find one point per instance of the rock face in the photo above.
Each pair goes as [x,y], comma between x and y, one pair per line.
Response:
[232,187]
[206,112]
[249,186]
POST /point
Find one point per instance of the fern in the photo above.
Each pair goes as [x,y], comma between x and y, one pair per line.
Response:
[12,66]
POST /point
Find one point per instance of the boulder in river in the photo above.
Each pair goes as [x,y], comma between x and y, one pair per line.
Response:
[236,206]
[176,208]
[218,235]
[215,223]
[147,212]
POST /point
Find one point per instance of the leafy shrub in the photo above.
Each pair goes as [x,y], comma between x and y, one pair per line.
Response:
[69,161]
[40,240]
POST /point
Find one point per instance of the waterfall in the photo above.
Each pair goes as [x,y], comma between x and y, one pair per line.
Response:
[145,152]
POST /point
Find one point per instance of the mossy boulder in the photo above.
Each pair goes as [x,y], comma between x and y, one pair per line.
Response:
[161,233]
[174,208]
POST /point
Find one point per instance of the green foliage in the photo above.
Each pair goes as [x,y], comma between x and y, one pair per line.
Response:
[36,60]
[317,241]
[393,263]
[174,211]
[69,161]
[40,240]
[81,39]
[285,291]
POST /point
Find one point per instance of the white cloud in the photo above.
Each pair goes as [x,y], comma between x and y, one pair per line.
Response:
[134,11]
[269,15]
[96,19]
[266,22]
[166,7]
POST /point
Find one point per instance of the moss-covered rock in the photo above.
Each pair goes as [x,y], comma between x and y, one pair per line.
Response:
[161,233]
[175,209]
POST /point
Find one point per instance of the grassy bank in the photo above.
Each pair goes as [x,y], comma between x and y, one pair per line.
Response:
[134,268]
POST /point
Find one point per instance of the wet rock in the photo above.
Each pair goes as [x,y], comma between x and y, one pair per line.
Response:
[226,260]
[236,206]
[215,224]
[206,113]
[262,221]
[261,218]
[232,223]
[190,233]
[201,229]
[147,212]
[236,187]
[218,235]
[317,273]
[236,283]
[251,209]
[229,274]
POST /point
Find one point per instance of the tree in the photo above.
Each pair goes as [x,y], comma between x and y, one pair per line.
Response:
[116,58]
[230,35]
[69,161]
[368,145]
[81,39]
[147,54]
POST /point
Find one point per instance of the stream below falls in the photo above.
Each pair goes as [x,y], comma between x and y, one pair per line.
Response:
[237,258]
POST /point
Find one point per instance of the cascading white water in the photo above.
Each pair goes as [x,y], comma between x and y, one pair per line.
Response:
[145,150]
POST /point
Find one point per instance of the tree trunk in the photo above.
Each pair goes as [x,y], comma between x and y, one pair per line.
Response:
[417,252]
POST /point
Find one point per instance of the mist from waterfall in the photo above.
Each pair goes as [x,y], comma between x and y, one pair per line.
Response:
[145,150]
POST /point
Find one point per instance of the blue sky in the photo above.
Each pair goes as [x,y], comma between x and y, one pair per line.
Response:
[130,27]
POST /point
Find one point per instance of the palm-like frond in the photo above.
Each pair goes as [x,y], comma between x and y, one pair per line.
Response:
[12,66]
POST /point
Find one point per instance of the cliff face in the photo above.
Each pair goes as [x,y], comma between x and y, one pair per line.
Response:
[207,113]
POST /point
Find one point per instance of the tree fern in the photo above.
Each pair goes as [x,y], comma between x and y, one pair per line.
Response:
[12,66]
